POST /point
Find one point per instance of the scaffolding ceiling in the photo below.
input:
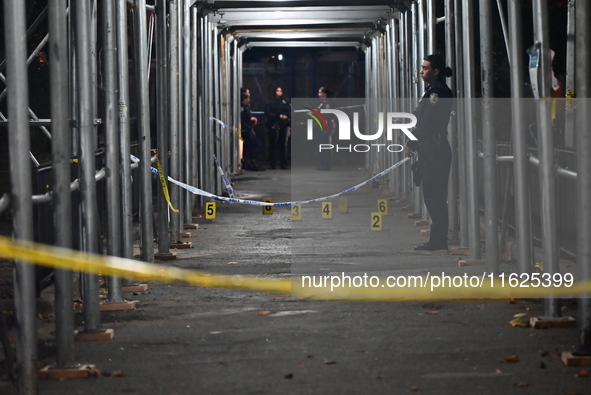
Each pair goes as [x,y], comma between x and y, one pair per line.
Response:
[304,24]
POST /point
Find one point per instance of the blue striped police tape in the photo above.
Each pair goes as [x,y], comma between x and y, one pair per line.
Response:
[201,192]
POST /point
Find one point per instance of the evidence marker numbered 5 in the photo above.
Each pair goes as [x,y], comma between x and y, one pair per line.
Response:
[210,210]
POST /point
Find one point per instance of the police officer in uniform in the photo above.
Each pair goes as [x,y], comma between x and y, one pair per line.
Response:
[434,152]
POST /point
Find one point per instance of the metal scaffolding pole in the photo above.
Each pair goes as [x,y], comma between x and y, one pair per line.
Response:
[61,148]
[125,138]
[583,144]
[112,142]
[470,151]
[416,92]
[143,117]
[546,153]
[461,116]
[489,138]
[187,171]
[20,173]
[195,113]
[161,59]
[218,144]
[431,27]
[519,139]
[86,127]
[570,89]
[208,130]
[174,111]
[450,45]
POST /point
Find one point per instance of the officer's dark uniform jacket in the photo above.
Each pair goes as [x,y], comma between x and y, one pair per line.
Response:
[433,112]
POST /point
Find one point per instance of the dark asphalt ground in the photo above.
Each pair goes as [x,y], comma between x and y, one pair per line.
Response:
[188,340]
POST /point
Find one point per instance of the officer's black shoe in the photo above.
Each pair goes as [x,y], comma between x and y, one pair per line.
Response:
[416,174]
[431,247]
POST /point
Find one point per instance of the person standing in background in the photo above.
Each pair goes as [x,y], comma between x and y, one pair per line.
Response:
[278,114]
[325,136]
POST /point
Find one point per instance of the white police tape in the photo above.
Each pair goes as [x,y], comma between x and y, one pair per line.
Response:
[201,192]
[224,178]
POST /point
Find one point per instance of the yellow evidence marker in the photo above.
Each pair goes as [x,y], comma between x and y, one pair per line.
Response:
[383,206]
[343,205]
[327,210]
[296,212]
[210,210]
[268,209]
[376,221]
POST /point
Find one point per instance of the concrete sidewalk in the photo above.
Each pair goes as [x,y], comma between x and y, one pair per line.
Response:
[186,340]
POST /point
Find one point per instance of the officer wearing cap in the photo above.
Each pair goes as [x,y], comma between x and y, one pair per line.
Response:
[434,152]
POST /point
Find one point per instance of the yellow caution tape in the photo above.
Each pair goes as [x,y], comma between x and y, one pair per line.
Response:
[163,182]
[62,258]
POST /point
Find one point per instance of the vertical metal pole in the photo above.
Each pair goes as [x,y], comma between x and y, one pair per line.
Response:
[450,44]
[583,144]
[218,143]
[569,112]
[162,120]
[519,138]
[174,86]
[195,114]
[430,27]
[416,91]
[470,131]
[123,97]
[113,143]
[62,200]
[489,138]
[546,152]
[460,104]
[186,96]
[20,173]
[143,117]
[88,139]
[207,132]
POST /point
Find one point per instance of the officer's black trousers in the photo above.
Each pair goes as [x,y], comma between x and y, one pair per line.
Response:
[435,175]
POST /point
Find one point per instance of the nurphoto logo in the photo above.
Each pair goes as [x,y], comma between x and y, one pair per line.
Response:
[394,121]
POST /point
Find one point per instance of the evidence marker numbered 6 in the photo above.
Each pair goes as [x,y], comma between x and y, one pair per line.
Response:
[268,209]
[383,206]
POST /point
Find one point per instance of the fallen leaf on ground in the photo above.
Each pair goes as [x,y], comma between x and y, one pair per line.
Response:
[266,312]
[414,388]
[523,384]
[432,312]
[582,373]
[288,375]
[510,359]
[519,322]
[329,362]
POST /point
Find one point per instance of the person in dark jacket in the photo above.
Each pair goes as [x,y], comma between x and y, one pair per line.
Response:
[325,136]
[252,144]
[278,114]
[434,152]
